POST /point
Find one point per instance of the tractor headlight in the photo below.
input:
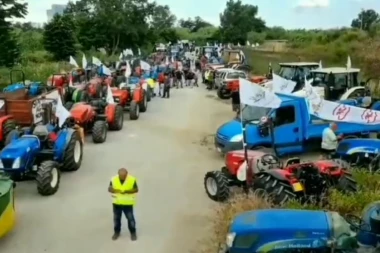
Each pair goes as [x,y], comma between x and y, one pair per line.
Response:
[16,163]
[237,138]
[230,239]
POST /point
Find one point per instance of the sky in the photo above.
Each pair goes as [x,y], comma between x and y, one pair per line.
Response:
[290,14]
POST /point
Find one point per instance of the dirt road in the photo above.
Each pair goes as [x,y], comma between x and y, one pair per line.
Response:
[167,149]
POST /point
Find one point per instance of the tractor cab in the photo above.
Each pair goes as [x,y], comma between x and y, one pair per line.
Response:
[231,56]
[303,231]
[297,71]
[338,83]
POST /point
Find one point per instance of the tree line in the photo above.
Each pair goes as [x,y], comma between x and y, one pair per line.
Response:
[113,25]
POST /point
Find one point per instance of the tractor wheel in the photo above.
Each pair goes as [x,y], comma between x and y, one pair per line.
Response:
[216,186]
[12,134]
[48,178]
[117,125]
[134,110]
[149,94]
[278,191]
[221,95]
[144,103]
[347,184]
[8,127]
[99,131]
[68,105]
[73,156]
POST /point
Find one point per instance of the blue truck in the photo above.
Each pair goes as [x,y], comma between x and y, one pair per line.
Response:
[294,129]
[301,231]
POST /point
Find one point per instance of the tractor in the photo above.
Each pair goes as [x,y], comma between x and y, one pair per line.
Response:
[97,117]
[7,206]
[131,95]
[267,175]
[41,152]
[33,89]
[289,230]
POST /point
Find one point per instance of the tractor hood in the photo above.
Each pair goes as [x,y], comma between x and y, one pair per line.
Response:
[351,146]
[20,147]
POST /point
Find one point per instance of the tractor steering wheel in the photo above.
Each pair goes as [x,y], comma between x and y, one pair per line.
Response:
[268,161]
[357,223]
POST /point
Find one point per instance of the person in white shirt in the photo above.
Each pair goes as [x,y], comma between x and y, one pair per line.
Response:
[329,139]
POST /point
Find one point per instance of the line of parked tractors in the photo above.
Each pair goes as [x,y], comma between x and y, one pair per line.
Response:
[36,146]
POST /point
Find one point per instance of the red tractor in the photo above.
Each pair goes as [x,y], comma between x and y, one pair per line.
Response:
[267,175]
[97,117]
[132,97]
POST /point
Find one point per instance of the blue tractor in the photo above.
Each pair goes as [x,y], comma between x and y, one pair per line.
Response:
[42,152]
[301,231]
[33,88]
[359,152]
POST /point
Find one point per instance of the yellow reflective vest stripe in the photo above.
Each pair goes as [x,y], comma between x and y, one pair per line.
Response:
[123,199]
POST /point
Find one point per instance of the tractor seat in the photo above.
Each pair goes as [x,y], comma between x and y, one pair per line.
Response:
[42,132]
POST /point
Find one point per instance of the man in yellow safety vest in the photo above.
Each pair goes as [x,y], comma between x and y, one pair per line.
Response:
[123,188]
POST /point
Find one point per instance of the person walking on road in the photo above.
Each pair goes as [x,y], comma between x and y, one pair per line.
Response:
[123,188]
[167,85]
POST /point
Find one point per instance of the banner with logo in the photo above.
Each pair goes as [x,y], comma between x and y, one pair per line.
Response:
[254,95]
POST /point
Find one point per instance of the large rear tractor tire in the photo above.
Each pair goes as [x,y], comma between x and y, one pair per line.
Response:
[216,186]
[347,184]
[117,125]
[134,110]
[8,127]
[73,156]
[99,131]
[48,178]
[144,103]
[279,192]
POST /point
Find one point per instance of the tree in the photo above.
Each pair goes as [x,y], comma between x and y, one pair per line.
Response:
[162,18]
[365,19]
[59,37]
[9,9]
[194,25]
[237,20]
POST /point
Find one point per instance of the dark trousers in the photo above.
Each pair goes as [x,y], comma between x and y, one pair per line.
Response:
[166,92]
[118,210]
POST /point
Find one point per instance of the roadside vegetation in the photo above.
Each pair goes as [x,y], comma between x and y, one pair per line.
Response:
[223,214]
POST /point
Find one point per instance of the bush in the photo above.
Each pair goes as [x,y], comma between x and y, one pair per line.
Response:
[222,216]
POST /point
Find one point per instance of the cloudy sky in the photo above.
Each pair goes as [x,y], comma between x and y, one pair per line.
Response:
[286,13]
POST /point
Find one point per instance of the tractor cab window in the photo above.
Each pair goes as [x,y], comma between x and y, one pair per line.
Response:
[236,75]
[287,72]
[284,115]
[253,114]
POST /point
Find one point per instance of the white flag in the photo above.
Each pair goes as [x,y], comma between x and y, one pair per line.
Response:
[139,51]
[349,65]
[238,44]
[121,56]
[320,64]
[106,71]
[96,61]
[128,70]
[71,82]
[61,112]
[248,44]
[109,98]
[255,95]
[84,61]
[73,62]
[144,65]
[167,60]
[282,85]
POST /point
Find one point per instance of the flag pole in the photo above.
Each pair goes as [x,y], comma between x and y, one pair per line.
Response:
[245,148]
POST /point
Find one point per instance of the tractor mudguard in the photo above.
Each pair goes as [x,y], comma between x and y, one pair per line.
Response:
[138,95]
[110,112]
[3,120]
[278,174]
[61,143]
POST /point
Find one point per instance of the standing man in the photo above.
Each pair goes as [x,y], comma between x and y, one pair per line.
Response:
[123,188]
[167,85]
[329,139]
